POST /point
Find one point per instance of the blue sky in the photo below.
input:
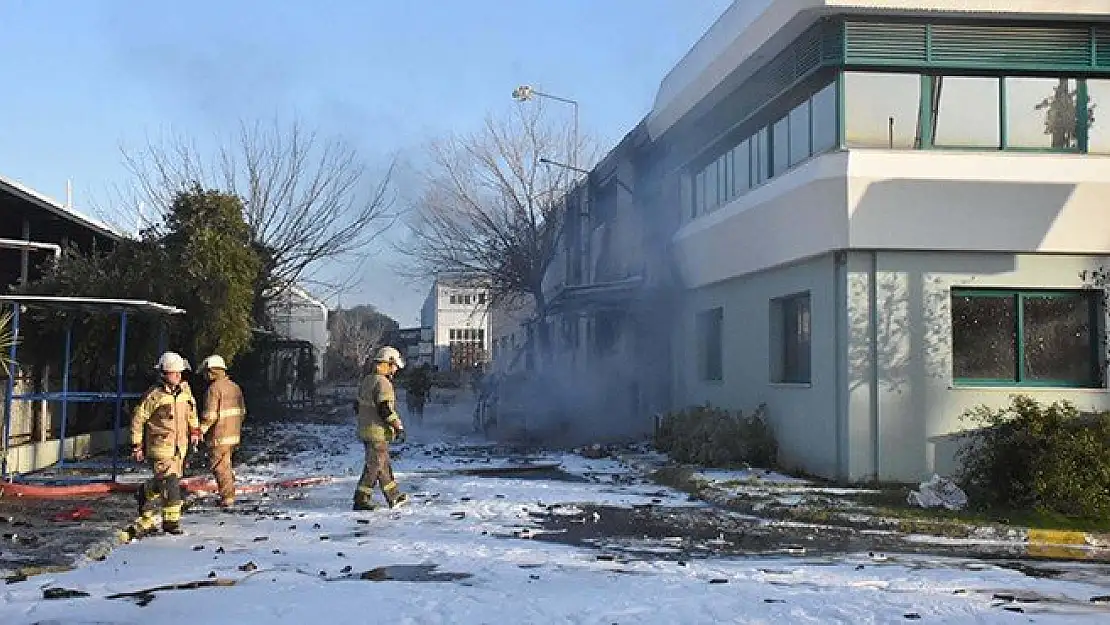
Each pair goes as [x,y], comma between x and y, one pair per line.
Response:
[85,77]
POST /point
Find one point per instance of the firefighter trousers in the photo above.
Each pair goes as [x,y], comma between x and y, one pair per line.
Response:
[162,493]
[376,472]
[219,462]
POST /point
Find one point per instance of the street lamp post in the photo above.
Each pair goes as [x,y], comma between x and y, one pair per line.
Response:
[524,93]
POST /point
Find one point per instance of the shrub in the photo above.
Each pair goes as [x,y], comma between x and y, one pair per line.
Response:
[715,437]
[1045,457]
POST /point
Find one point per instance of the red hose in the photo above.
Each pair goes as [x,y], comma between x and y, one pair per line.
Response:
[191,484]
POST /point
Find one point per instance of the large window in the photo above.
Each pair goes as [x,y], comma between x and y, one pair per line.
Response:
[799,133]
[1040,113]
[968,112]
[1098,98]
[881,110]
[710,348]
[780,146]
[790,339]
[1034,338]
[824,117]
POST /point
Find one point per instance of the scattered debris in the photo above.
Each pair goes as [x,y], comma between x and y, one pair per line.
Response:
[249,566]
[63,593]
[938,492]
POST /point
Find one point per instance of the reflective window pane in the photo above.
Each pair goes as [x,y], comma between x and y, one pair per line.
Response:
[984,341]
[1056,335]
[780,148]
[968,113]
[1040,113]
[711,187]
[741,165]
[727,190]
[761,159]
[699,194]
[824,119]
[1098,98]
[799,133]
[880,109]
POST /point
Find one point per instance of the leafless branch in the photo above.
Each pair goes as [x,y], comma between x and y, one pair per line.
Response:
[490,209]
[308,200]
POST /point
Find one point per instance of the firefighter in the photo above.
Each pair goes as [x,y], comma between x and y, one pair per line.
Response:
[220,424]
[163,427]
[378,425]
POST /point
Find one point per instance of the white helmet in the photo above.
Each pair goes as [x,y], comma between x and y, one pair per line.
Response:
[170,362]
[213,362]
[390,355]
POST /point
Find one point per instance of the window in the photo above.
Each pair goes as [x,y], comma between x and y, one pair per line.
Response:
[482,299]
[711,187]
[780,149]
[823,116]
[968,112]
[728,190]
[1098,99]
[699,194]
[761,159]
[881,110]
[790,332]
[741,168]
[799,133]
[1040,113]
[709,337]
[454,299]
[1034,338]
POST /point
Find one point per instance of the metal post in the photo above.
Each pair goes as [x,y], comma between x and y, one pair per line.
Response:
[119,392]
[12,365]
[65,394]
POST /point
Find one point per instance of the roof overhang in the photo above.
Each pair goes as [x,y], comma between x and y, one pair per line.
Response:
[750,32]
[615,294]
[57,209]
[92,304]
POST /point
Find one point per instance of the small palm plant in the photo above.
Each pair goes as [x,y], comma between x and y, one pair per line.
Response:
[7,339]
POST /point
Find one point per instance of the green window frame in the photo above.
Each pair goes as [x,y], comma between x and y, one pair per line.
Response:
[1092,300]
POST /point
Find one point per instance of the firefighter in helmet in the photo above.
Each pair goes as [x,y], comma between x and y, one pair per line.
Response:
[163,427]
[378,425]
[220,424]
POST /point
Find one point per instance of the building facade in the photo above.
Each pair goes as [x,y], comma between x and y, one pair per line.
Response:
[457,312]
[298,316]
[888,213]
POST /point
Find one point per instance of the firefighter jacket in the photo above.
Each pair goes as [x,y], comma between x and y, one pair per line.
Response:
[224,411]
[163,421]
[377,409]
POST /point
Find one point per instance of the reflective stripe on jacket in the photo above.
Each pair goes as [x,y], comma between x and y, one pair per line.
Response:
[162,421]
[224,411]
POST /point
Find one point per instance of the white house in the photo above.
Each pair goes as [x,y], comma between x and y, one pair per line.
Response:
[457,312]
[887,208]
[299,316]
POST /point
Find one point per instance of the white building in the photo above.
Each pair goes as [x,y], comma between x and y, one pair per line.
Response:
[510,328]
[457,312]
[299,316]
[887,208]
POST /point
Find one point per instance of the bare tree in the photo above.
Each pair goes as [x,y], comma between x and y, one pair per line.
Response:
[353,334]
[490,210]
[308,199]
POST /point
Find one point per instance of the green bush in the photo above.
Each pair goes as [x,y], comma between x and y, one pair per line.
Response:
[714,437]
[1047,458]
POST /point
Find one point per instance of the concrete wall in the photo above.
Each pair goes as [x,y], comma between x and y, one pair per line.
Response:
[917,405]
[803,415]
[34,456]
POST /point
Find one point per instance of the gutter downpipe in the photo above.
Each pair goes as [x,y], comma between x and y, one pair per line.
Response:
[19,244]
[873,341]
